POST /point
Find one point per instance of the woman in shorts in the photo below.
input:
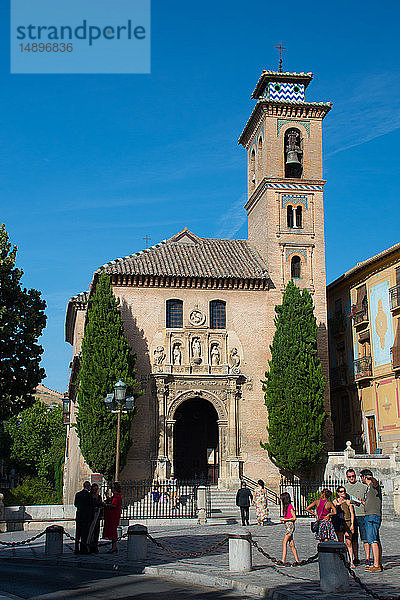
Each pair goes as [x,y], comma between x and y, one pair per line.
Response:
[289,517]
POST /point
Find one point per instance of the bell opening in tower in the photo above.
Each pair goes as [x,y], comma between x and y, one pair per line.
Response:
[293,150]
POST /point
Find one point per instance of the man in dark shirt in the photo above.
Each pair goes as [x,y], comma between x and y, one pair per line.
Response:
[83,515]
[243,501]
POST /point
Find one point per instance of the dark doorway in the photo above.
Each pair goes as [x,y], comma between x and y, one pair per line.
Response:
[196,441]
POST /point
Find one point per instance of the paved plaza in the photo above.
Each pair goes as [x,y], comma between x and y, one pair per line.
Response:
[212,569]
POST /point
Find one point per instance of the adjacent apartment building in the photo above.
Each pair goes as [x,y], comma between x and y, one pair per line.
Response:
[364,344]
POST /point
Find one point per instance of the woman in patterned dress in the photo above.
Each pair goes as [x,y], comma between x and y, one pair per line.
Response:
[324,511]
[260,502]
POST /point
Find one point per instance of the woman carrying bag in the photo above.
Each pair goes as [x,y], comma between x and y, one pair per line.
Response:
[323,509]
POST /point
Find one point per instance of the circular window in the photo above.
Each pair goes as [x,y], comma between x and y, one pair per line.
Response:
[277,88]
[296,88]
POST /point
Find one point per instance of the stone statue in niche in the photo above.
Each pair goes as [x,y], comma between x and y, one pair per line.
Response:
[215,355]
[234,358]
[159,355]
[176,354]
[196,350]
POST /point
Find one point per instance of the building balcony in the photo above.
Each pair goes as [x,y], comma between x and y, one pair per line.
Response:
[394,297]
[363,368]
[395,352]
[339,376]
[337,324]
[360,316]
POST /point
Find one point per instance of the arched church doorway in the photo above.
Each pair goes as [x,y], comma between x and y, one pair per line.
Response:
[196,441]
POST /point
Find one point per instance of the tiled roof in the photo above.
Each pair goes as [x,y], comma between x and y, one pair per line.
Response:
[81,298]
[304,102]
[287,73]
[186,255]
[277,75]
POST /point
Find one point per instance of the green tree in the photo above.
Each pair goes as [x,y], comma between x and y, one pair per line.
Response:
[106,358]
[294,386]
[33,490]
[37,441]
[22,320]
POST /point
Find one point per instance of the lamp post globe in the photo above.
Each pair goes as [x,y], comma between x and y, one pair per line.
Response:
[120,391]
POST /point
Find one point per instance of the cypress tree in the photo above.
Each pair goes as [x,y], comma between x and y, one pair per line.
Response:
[106,358]
[22,321]
[294,386]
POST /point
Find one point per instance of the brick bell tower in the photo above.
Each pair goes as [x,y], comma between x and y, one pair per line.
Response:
[283,139]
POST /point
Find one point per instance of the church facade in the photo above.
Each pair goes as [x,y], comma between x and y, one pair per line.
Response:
[199,312]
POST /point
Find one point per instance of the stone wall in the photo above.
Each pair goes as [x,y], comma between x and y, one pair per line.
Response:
[385,467]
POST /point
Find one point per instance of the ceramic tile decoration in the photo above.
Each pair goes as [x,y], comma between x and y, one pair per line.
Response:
[294,199]
[282,122]
[292,92]
[302,251]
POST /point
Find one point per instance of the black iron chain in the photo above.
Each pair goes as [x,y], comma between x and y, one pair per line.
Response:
[71,537]
[187,555]
[22,542]
[362,585]
[276,561]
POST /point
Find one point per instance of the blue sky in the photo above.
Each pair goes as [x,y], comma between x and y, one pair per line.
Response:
[90,164]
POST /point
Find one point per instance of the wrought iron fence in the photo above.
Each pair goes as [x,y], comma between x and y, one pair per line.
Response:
[303,492]
[162,499]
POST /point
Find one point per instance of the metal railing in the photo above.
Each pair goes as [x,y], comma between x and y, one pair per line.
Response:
[395,352]
[360,315]
[303,492]
[363,368]
[271,495]
[394,297]
[339,376]
[337,324]
[162,499]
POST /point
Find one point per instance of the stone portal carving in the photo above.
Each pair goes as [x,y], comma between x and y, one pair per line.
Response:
[215,354]
[159,355]
[196,317]
[234,358]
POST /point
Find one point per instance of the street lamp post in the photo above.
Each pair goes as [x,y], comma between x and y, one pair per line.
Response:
[118,403]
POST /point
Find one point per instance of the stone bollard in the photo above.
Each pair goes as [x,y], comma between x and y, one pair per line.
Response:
[54,540]
[201,505]
[3,524]
[137,542]
[240,557]
[333,575]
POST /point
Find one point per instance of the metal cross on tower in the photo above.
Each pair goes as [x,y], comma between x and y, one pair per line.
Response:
[147,238]
[280,48]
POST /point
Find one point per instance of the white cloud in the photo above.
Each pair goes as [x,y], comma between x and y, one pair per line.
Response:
[230,222]
[370,111]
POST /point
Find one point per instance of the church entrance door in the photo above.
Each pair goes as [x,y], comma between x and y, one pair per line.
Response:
[196,441]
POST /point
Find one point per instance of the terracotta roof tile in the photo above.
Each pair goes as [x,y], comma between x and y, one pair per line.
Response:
[81,298]
[186,255]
